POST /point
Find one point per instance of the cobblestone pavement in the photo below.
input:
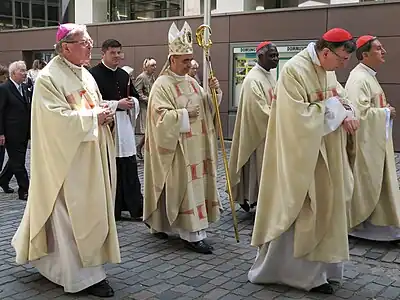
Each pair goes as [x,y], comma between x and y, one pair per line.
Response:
[158,269]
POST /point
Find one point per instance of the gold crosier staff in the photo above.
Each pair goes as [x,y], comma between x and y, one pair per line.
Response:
[206,45]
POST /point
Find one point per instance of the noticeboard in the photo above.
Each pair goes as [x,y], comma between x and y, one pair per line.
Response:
[243,58]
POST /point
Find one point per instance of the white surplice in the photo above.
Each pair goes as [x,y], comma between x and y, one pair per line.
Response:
[125,130]
[275,264]
[63,265]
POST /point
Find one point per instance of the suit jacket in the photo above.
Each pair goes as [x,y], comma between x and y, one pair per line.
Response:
[15,112]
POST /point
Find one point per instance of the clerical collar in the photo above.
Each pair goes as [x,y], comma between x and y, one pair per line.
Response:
[369,70]
[102,61]
[313,54]
[177,76]
[70,64]
[262,69]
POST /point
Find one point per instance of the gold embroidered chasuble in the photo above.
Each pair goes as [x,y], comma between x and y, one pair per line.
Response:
[251,123]
[181,167]
[306,178]
[376,191]
[73,156]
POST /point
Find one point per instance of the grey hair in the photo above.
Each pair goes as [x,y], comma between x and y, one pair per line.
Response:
[79,30]
[195,63]
[16,65]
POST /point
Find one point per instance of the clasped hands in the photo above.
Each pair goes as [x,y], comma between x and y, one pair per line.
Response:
[105,115]
[350,124]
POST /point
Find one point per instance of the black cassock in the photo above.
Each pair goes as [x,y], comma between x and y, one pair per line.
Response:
[113,85]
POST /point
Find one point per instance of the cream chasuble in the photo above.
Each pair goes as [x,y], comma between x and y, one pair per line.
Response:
[300,225]
[248,141]
[376,197]
[72,172]
[180,157]
[305,183]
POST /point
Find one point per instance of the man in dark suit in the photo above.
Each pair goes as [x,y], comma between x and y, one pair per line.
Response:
[15,128]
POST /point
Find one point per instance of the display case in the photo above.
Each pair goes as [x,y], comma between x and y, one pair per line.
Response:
[243,58]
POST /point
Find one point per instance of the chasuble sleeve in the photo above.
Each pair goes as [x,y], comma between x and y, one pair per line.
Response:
[208,98]
[360,94]
[168,121]
[342,93]
[261,100]
[81,123]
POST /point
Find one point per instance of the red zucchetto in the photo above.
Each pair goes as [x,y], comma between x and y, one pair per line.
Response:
[362,40]
[337,35]
[262,45]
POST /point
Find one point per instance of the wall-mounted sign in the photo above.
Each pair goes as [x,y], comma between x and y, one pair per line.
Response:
[285,49]
[244,58]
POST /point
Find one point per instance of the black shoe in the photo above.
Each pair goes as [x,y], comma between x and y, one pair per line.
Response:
[101,289]
[326,288]
[208,245]
[161,235]
[245,206]
[23,196]
[7,189]
[199,247]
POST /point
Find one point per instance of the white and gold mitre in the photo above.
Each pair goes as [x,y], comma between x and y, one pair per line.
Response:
[180,42]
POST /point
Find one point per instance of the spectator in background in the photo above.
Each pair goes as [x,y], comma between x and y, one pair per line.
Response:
[3,73]
[193,71]
[15,119]
[143,84]
[37,65]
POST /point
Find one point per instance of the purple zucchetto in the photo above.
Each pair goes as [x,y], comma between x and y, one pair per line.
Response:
[64,29]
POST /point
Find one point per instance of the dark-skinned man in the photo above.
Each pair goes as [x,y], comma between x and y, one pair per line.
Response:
[306,181]
[374,212]
[247,150]
[180,186]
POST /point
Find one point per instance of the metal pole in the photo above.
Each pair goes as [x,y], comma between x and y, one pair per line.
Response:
[207,21]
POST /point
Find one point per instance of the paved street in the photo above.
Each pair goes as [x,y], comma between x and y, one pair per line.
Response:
[158,269]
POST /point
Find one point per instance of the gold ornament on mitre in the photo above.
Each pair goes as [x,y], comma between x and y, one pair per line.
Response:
[180,42]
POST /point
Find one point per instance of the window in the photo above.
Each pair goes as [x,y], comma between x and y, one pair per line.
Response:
[22,23]
[38,23]
[213,5]
[36,13]
[144,9]
[53,13]
[6,22]
[5,8]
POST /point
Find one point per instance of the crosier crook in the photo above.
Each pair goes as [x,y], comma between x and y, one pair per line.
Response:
[200,33]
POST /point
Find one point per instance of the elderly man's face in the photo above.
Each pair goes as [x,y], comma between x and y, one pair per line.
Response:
[79,50]
[193,69]
[180,64]
[151,66]
[334,59]
[19,75]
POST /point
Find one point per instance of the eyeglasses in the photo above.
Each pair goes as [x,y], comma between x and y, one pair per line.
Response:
[85,43]
[341,58]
